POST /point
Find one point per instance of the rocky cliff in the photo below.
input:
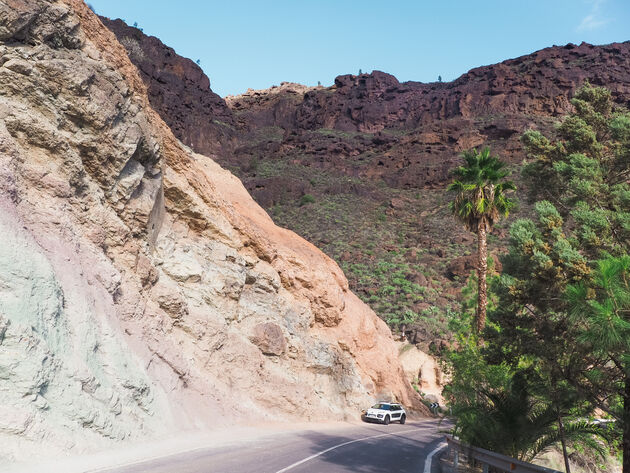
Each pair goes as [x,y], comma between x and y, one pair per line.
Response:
[415,131]
[141,288]
[179,91]
[359,168]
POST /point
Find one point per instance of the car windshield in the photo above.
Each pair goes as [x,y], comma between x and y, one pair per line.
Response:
[381,406]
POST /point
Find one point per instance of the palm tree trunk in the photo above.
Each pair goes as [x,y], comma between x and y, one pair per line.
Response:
[482,270]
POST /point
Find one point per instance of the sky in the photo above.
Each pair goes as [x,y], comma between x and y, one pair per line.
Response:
[256,44]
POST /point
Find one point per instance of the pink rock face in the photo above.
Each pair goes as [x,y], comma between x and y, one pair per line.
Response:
[145,268]
[269,338]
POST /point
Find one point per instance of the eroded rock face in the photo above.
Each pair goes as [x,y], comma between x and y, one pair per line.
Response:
[408,134]
[269,338]
[424,371]
[179,91]
[411,134]
[141,288]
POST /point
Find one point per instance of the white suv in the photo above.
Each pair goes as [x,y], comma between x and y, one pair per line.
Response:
[385,412]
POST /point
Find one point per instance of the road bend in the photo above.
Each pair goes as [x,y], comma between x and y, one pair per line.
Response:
[357,448]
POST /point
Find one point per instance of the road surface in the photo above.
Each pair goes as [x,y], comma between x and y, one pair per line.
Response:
[356,448]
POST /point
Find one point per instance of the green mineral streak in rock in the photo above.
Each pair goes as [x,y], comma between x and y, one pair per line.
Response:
[30,294]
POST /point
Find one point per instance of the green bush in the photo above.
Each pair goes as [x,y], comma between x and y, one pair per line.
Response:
[306,199]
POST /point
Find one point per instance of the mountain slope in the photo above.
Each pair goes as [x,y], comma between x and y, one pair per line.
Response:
[359,168]
[142,290]
[409,134]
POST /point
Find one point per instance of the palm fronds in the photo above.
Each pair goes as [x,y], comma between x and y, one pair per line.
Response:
[480,193]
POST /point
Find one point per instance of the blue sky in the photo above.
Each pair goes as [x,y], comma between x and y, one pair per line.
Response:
[255,44]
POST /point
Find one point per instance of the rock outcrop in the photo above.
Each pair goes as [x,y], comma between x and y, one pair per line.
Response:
[179,91]
[141,288]
[410,134]
[424,371]
[359,168]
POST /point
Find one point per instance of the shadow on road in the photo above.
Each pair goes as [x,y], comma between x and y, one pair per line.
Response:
[402,451]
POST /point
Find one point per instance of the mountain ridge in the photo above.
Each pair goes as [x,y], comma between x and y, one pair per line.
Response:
[359,168]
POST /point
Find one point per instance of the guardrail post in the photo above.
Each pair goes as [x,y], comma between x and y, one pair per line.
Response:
[488,459]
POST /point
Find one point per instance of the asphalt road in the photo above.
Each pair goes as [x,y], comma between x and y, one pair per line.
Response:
[361,448]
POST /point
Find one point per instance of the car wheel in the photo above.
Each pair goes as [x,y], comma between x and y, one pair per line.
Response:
[386,421]
[403,419]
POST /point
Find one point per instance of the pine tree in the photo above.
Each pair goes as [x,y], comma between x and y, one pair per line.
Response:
[601,311]
[552,303]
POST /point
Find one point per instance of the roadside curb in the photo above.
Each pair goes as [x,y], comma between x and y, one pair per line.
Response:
[428,461]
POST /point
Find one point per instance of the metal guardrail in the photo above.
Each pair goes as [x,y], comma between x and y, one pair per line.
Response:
[495,460]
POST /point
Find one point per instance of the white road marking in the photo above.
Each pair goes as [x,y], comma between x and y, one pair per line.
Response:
[290,467]
[427,462]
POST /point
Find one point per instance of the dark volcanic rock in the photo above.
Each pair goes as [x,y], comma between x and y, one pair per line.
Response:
[179,91]
[538,84]
[461,267]
[273,190]
[414,131]
[372,126]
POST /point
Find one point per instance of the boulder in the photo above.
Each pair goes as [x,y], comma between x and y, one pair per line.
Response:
[269,338]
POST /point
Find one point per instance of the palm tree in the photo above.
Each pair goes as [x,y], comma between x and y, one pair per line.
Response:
[517,409]
[513,421]
[480,200]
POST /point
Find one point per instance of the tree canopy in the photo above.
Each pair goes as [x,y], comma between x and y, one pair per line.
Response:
[558,337]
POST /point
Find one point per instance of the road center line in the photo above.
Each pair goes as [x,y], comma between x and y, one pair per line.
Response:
[427,462]
[290,467]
